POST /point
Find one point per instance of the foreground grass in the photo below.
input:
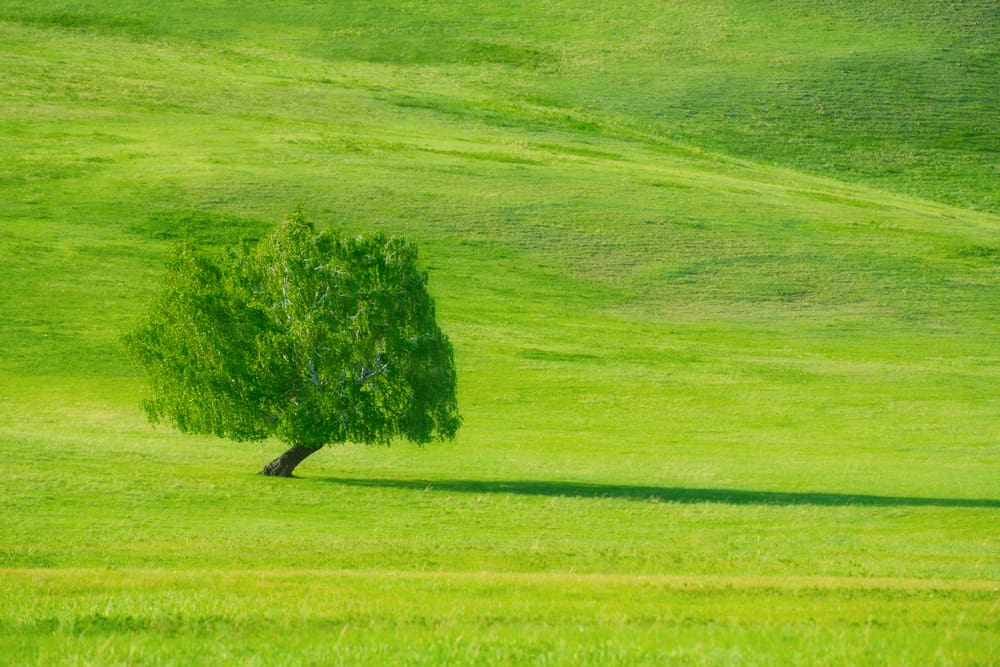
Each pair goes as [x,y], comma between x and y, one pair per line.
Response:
[329,617]
[122,546]
[730,373]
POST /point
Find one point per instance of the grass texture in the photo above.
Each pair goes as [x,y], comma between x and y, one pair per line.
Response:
[723,281]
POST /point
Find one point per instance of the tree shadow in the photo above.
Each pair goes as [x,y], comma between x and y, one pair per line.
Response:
[659,493]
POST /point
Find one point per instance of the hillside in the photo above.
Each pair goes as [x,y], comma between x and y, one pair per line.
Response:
[723,281]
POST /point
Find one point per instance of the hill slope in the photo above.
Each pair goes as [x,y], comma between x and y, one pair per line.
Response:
[903,98]
[723,281]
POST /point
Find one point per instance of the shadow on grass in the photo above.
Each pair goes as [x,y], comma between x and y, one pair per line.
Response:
[658,493]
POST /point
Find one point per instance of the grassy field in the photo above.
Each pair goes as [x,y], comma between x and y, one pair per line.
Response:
[723,281]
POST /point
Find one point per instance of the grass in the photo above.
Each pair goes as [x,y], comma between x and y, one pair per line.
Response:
[722,281]
[524,619]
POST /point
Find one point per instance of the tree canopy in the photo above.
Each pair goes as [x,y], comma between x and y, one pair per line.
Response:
[312,337]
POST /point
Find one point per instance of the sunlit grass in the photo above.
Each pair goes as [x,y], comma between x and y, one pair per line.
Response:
[722,283]
[269,617]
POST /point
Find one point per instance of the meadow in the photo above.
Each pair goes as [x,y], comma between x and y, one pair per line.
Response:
[723,281]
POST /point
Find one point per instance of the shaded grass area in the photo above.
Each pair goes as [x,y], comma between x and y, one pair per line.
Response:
[659,494]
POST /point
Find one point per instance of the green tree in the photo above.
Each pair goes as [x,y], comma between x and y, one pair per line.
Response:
[313,338]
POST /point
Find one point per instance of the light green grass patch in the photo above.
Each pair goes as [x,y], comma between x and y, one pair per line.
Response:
[269,617]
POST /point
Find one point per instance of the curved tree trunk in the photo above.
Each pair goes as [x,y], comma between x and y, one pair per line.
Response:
[285,464]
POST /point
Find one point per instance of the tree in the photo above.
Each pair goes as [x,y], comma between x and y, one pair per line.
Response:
[313,338]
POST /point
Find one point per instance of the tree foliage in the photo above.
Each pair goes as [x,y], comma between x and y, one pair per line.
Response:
[314,338]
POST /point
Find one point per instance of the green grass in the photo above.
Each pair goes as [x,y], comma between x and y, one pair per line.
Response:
[723,281]
[562,619]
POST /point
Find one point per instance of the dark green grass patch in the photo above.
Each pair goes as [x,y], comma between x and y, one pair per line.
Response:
[202,227]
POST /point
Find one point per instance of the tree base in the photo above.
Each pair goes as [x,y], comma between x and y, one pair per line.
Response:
[287,462]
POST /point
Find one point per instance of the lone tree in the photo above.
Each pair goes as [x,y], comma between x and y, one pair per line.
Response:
[310,337]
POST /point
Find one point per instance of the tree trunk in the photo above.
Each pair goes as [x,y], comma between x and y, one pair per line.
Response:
[285,464]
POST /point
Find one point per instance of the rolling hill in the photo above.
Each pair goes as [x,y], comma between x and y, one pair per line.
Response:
[723,281]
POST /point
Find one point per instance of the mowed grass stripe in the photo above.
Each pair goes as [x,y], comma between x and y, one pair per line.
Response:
[72,580]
